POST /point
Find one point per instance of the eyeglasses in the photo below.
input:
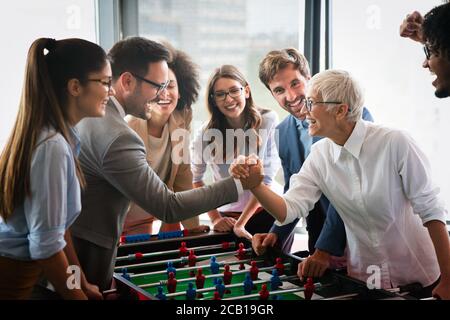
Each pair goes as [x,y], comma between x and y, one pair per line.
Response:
[159,86]
[106,83]
[427,51]
[309,103]
[222,95]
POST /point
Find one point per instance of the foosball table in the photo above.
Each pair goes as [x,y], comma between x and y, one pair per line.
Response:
[218,266]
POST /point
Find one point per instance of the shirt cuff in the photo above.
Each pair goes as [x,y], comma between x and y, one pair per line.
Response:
[290,215]
[239,187]
[43,245]
[441,216]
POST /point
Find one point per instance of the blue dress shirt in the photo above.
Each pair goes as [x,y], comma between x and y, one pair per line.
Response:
[36,229]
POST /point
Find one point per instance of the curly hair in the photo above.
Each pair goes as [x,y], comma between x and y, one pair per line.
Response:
[436,29]
[187,74]
[252,113]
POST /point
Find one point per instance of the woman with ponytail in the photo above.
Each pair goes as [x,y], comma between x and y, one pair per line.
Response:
[40,177]
[236,127]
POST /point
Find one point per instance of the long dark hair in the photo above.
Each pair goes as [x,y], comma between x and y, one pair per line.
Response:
[252,113]
[50,65]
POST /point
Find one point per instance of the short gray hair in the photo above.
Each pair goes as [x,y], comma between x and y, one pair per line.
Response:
[339,85]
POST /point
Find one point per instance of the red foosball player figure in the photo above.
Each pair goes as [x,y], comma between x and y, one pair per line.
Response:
[241,255]
[264,293]
[227,276]
[254,270]
[279,266]
[192,260]
[200,282]
[171,283]
[216,296]
[183,249]
[309,288]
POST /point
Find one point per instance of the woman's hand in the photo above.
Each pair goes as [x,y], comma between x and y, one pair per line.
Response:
[92,291]
[240,232]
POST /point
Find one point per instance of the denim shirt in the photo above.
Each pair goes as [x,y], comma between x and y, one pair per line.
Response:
[36,229]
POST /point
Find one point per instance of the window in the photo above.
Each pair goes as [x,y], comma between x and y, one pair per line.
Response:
[398,90]
[216,32]
[22,22]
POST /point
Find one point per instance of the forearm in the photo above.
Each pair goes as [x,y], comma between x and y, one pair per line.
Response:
[212,214]
[271,201]
[248,211]
[55,271]
[439,237]
[174,207]
[72,256]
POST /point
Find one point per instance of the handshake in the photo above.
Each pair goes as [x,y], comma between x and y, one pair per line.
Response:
[249,170]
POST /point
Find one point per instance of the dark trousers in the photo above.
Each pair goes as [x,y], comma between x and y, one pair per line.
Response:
[314,224]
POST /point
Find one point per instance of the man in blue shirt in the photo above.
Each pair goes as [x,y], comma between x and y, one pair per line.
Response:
[286,73]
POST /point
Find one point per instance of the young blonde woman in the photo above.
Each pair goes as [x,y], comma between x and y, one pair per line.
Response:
[236,127]
[166,131]
[40,177]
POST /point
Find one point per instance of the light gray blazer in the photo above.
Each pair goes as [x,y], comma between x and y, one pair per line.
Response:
[113,159]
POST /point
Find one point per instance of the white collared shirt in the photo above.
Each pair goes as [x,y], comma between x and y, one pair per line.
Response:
[380,184]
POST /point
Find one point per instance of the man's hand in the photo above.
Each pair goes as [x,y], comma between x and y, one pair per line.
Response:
[223,224]
[199,229]
[261,241]
[442,290]
[411,27]
[249,170]
[315,265]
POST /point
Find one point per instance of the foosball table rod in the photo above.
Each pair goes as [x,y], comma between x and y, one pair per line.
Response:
[256,295]
[209,276]
[182,260]
[230,286]
[137,256]
[221,264]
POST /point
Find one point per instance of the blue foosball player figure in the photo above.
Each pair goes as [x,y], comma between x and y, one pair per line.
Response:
[275,281]
[214,265]
[125,274]
[170,268]
[248,284]
[160,295]
[191,293]
[220,288]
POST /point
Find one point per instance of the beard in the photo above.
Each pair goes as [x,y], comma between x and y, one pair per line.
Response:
[442,93]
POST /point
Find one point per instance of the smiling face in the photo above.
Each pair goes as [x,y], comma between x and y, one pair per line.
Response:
[439,65]
[322,122]
[231,107]
[288,87]
[95,95]
[168,102]
[143,97]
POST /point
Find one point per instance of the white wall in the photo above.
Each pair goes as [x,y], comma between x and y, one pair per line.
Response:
[398,90]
